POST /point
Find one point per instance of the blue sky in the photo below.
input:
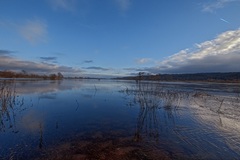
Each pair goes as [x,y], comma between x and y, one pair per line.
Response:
[119,37]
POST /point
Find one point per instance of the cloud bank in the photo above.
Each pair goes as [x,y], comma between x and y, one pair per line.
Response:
[8,62]
[221,54]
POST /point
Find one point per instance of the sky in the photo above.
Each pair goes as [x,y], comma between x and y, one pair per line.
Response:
[108,38]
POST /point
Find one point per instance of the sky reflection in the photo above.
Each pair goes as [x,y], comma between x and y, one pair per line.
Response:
[183,120]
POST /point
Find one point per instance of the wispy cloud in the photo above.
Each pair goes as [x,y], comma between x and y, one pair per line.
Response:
[5,52]
[8,62]
[130,69]
[97,68]
[217,4]
[49,59]
[144,60]
[88,61]
[33,31]
[221,54]
[224,20]
[67,5]
[123,5]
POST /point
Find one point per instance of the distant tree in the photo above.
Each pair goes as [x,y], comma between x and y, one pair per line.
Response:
[60,76]
[140,74]
[45,76]
[53,76]
[24,72]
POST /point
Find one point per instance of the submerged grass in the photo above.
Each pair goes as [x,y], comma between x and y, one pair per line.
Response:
[101,147]
[9,102]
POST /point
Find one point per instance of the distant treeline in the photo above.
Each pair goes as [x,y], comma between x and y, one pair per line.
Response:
[23,74]
[206,77]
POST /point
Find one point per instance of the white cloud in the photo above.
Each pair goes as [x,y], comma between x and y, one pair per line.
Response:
[217,4]
[143,60]
[34,31]
[221,54]
[123,4]
[67,5]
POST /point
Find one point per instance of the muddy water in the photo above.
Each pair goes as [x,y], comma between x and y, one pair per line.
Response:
[91,119]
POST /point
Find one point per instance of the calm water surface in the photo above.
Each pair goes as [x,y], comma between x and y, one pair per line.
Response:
[91,119]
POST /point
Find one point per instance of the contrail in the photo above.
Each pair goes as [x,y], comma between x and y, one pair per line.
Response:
[224,20]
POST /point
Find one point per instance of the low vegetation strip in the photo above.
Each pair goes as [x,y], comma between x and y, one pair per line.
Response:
[229,77]
[24,74]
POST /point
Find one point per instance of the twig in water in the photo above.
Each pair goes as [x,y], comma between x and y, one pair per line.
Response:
[95,87]
[77,105]
[220,106]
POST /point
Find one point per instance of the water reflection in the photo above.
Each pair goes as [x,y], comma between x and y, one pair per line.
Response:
[84,118]
[155,102]
[168,99]
[40,145]
[10,103]
[226,107]
[209,117]
[46,86]
[221,111]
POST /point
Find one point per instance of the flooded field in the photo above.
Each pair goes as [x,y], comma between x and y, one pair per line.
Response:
[106,119]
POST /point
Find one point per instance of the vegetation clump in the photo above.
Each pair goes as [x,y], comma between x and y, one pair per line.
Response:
[24,74]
